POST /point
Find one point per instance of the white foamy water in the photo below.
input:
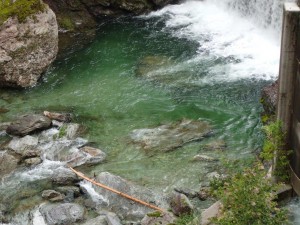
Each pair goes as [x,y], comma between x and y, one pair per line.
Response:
[244,49]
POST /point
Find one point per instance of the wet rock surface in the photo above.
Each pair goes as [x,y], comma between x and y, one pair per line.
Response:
[28,124]
[123,207]
[66,213]
[171,136]
[180,204]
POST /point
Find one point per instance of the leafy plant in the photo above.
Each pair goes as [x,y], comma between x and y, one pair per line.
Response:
[274,150]
[247,198]
[187,219]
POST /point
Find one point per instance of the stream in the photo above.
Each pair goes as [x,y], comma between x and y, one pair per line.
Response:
[193,61]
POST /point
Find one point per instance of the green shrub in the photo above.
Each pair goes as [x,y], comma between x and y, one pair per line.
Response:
[187,219]
[247,199]
[274,150]
[20,8]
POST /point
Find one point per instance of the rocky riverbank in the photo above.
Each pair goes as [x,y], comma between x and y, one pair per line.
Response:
[37,187]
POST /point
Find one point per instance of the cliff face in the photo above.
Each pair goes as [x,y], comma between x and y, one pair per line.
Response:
[27,48]
[79,15]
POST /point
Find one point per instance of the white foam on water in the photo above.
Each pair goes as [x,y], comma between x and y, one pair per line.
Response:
[224,34]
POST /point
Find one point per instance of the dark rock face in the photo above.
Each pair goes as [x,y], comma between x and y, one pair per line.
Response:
[28,124]
[180,204]
[269,98]
[81,16]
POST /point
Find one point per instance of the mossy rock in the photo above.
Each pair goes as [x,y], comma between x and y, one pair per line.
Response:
[20,8]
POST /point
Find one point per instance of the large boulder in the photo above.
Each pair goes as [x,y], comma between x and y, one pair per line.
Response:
[28,124]
[66,213]
[27,48]
[171,136]
[124,207]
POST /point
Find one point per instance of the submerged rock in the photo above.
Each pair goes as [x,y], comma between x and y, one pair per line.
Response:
[216,145]
[203,158]
[171,136]
[123,207]
[27,48]
[149,64]
[28,124]
[58,214]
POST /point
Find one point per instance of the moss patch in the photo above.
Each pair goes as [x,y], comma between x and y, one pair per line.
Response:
[66,23]
[20,8]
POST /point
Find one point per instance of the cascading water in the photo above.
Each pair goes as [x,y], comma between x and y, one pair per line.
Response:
[265,13]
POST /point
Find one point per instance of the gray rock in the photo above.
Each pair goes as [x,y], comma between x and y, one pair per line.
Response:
[8,163]
[27,48]
[112,219]
[53,196]
[158,218]
[22,145]
[171,136]
[180,204]
[48,135]
[33,161]
[65,213]
[211,212]
[72,152]
[67,190]
[72,130]
[100,220]
[123,207]
[28,124]
[65,177]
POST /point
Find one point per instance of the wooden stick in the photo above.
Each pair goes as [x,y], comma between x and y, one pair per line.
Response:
[115,191]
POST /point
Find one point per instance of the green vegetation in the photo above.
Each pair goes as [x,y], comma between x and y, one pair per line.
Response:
[248,195]
[274,150]
[20,8]
[248,198]
[62,131]
[187,219]
[66,23]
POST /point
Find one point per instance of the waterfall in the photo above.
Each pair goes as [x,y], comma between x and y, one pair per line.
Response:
[266,13]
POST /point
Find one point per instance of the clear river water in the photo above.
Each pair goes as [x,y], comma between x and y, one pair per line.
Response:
[206,63]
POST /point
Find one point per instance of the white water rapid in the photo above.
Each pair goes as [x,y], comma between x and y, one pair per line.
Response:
[244,34]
